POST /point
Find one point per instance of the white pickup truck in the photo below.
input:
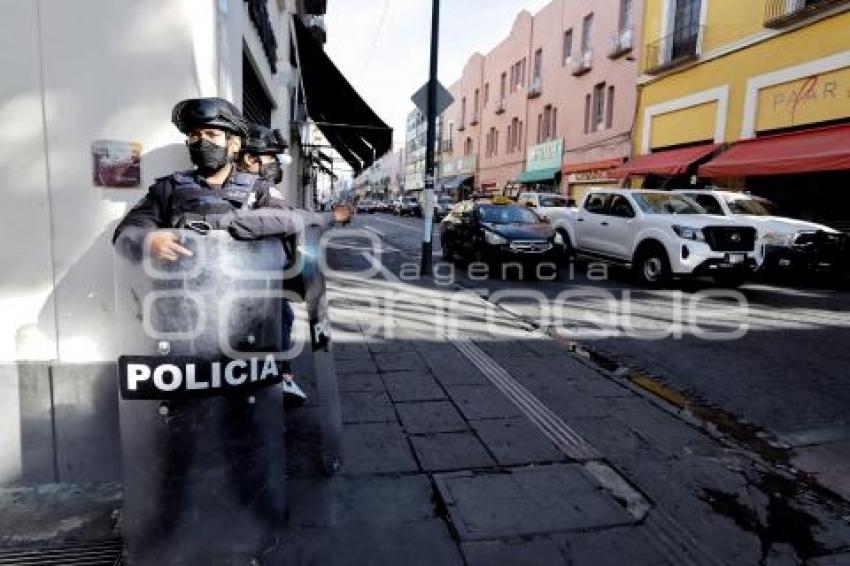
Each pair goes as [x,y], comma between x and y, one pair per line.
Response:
[659,235]
[784,243]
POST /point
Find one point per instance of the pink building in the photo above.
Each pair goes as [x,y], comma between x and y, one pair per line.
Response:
[555,99]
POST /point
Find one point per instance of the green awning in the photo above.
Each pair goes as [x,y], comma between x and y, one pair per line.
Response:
[539,175]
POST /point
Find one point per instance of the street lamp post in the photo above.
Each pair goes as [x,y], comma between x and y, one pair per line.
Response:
[430,142]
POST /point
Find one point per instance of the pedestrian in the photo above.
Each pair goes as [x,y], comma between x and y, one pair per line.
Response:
[216,193]
[260,156]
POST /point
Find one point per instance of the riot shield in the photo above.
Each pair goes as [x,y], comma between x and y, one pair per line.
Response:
[202,423]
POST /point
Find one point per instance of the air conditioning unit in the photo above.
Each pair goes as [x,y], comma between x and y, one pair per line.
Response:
[535,88]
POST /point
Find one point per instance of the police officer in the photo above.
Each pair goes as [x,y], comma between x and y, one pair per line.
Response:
[259,156]
[215,193]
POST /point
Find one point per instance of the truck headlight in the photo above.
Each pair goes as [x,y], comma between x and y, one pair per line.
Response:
[777,239]
[494,239]
[689,233]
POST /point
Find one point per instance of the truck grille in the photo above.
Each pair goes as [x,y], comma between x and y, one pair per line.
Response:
[730,238]
[531,246]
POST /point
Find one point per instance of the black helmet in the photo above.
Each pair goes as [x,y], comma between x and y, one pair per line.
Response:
[263,141]
[210,112]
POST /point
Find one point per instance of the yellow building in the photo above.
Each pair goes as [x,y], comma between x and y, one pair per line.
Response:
[717,72]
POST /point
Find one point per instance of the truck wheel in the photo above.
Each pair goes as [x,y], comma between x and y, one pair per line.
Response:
[566,252]
[651,267]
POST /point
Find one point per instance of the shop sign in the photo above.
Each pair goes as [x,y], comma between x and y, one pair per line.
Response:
[546,155]
[813,99]
[590,176]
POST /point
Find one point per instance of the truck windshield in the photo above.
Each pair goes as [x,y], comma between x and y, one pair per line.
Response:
[747,206]
[666,203]
[553,201]
[511,214]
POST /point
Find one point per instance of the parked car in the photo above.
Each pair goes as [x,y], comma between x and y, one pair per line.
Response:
[555,209]
[443,207]
[365,206]
[382,206]
[496,231]
[785,244]
[408,205]
[659,235]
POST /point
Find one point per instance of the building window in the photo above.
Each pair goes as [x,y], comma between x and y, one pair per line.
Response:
[587,114]
[486,94]
[467,147]
[539,128]
[586,31]
[502,86]
[475,102]
[495,142]
[538,64]
[568,46]
[522,72]
[598,116]
[625,15]
[463,111]
[609,115]
[554,123]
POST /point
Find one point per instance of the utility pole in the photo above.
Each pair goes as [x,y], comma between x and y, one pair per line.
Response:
[430,142]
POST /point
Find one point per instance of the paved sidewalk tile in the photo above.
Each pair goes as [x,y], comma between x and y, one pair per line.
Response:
[320,502]
[527,501]
[390,346]
[516,441]
[482,402]
[360,383]
[430,417]
[368,544]
[612,547]
[355,367]
[450,367]
[375,448]
[399,361]
[541,551]
[412,386]
[366,407]
[450,451]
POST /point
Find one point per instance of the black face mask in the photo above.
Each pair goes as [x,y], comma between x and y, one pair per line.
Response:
[208,157]
[271,172]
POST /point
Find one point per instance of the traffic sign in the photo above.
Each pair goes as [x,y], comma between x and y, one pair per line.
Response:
[444,99]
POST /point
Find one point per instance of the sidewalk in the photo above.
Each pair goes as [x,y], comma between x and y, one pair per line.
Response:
[482,446]
[506,449]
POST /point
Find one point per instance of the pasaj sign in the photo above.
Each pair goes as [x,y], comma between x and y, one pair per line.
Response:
[181,377]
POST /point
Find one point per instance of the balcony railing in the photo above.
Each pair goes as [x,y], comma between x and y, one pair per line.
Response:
[447,146]
[535,89]
[500,106]
[582,63]
[621,42]
[779,13]
[679,47]
[475,119]
[461,127]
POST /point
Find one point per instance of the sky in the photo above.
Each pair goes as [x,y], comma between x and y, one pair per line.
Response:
[383,46]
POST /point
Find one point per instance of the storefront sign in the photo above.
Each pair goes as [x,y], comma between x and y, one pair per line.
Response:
[593,175]
[545,155]
[813,99]
[459,166]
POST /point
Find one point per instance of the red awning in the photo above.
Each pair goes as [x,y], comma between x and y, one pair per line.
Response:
[822,149]
[669,162]
[591,166]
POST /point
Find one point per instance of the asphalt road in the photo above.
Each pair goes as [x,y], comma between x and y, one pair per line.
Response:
[773,356]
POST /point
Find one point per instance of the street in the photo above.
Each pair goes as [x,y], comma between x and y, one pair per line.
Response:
[708,471]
